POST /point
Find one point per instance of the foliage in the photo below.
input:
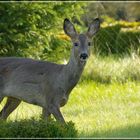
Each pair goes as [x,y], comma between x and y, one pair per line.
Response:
[33,128]
[60,46]
[119,10]
[104,42]
[27,29]
[35,30]
[128,42]
[118,37]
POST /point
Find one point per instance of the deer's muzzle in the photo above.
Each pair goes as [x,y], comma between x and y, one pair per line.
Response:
[83,56]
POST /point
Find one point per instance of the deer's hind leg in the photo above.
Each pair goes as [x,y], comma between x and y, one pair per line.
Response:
[10,106]
[46,114]
[1,98]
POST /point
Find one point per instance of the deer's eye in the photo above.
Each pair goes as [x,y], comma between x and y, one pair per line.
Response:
[89,43]
[76,44]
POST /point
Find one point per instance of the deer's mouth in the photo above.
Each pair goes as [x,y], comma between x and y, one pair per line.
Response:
[83,61]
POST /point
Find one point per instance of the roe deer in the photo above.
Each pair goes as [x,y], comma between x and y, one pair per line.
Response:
[44,83]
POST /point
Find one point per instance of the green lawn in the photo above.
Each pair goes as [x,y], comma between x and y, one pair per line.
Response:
[98,110]
[102,110]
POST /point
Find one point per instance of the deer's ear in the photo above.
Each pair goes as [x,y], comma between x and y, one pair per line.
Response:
[93,27]
[69,28]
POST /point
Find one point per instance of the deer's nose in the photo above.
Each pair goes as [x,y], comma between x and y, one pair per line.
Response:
[83,56]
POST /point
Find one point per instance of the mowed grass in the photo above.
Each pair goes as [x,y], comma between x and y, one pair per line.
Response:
[101,108]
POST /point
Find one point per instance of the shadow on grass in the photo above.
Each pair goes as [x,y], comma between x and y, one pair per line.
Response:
[131,131]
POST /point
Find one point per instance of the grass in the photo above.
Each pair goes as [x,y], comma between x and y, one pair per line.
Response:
[100,107]
[113,69]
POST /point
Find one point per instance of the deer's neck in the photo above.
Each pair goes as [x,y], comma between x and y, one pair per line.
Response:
[73,71]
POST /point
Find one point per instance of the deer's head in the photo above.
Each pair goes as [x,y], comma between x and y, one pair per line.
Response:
[81,42]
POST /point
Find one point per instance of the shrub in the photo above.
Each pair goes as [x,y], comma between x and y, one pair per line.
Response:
[60,50]
[128,42]
[36,128]
[104,41]
[117,38]
[26,28]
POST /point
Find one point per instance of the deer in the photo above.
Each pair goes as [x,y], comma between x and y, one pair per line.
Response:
[45,83]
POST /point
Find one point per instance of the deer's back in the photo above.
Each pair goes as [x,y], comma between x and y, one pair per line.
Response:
[26,75]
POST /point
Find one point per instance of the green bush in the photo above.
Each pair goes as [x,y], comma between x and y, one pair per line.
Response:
[36,129]
[116,39]
[104,41]
[26,29]
[128,42]
[60,50]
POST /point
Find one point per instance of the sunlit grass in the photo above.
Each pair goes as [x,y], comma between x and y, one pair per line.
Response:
[97,107]
[113,68]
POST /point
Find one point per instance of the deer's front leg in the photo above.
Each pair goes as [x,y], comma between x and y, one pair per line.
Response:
[56,112]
